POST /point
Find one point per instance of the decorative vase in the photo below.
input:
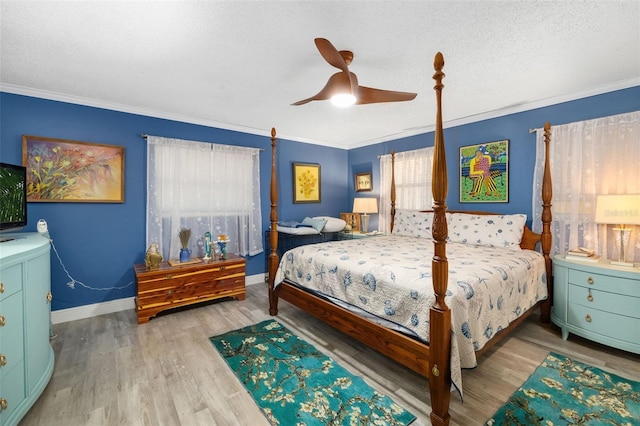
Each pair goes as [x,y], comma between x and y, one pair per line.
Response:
[223,249]
[153,257]
[185,254]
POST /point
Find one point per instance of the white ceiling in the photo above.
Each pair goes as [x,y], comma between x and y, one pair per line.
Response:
[239,65]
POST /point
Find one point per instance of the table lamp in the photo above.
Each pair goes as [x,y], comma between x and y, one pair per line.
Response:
[365,206]
[620,210]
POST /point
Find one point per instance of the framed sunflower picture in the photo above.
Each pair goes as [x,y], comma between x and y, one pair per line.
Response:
[306,183]
[484,172]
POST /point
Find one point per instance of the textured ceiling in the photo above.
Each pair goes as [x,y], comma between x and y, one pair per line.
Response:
[239,65]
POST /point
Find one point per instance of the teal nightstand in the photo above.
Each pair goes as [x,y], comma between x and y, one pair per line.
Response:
[598,301]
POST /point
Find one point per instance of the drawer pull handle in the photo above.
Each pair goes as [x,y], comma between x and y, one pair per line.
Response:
[222,268]
[590,281]
[3,404]
[435,371]
[590,296]
[170,293]
[2,321]
[587,318]
[49,296]
[3,360]
[169,277]
[1,288]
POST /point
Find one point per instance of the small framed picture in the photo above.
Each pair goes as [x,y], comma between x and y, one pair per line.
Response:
[306,183]
[363,182]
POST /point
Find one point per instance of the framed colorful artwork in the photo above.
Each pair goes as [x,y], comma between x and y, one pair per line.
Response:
[484,173]
[363,182]
[306,183]
[60,170]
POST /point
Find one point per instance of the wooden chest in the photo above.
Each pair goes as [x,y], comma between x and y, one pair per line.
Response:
[169,286]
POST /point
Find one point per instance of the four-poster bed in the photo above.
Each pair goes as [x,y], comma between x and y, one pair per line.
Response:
[433,359]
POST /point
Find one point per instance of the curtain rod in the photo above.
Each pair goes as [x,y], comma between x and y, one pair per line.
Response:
[145,136]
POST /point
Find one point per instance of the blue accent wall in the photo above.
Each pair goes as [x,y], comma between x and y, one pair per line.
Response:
[514,127]
[98,243]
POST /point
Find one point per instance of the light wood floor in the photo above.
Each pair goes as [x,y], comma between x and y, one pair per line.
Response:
[111,371]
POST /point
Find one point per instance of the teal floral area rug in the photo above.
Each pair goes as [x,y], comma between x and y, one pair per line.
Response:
[563,391]
[295,384]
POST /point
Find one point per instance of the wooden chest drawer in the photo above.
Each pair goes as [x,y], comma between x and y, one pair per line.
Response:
[152,282]
[172,286]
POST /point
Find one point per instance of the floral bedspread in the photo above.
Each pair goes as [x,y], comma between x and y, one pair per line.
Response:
[390,277]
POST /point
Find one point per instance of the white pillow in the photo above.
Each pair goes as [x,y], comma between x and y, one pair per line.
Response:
[412,223]
[333,224]
[317,224]
[487,230]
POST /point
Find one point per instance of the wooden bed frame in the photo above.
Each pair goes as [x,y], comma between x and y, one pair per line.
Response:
[431,361]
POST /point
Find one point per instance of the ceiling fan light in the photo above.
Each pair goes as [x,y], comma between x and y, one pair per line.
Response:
[343,100]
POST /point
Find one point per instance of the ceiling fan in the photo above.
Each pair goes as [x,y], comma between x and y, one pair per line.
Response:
[342,87]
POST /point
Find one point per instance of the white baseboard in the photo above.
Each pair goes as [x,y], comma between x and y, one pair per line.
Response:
[88,311]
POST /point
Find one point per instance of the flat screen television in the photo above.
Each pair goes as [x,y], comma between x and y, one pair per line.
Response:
[13,197]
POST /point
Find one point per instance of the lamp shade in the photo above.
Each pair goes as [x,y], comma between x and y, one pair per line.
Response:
[365,205]
[618,209]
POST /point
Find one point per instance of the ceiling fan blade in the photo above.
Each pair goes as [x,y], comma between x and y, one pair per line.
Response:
[368,95]
[331,54]
[335,58]
[336,84]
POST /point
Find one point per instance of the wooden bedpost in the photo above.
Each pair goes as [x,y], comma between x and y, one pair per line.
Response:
[440,314]
[547,194]
[274,259]
[393,190]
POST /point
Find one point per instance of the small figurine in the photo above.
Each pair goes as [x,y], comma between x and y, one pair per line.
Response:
[153,257]
[207,246]
[223,239]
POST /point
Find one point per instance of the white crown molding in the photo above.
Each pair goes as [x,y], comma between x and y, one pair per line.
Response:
[88,311]
[512,109]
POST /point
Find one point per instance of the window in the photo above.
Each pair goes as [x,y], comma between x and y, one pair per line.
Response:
[412,180]
[206,188]
[588,158]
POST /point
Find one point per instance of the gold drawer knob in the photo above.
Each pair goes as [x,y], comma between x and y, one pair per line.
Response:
[590,296]
[1,288]
[3,404]
[2,321]
[435,370]
[3,360]
[590,281]
[587,318]
[49,296]
[169,277]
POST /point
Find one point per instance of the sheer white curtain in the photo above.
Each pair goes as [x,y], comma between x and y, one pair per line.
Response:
[203,187]
[588,158]
[413,183]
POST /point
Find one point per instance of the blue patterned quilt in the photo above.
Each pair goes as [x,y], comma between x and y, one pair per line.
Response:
[390,277]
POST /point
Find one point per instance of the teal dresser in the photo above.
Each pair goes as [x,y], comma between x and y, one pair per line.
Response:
[26,356]
[597,301]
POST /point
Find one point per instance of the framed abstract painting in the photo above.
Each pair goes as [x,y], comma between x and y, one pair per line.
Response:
[60,170]
[484,172]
